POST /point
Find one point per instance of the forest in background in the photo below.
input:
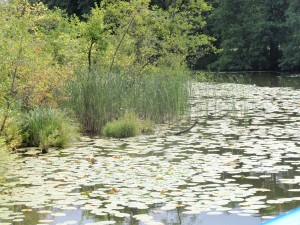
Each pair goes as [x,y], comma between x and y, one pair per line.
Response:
[244,34]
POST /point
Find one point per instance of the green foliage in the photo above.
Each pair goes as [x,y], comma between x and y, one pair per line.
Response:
[127,126]
[37,53]
[10,136]
[186,28]
[94,27]
[78,7]
[97,99]
[250,33]
[136,37]
[131,37]
[42,127]
[144,37]
[45,127]
[94,31]
[290,46]
[59,34]
[129,56]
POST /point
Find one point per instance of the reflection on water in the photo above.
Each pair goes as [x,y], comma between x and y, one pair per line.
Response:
[262,79]
[239,165]
[172,217]
[276,81]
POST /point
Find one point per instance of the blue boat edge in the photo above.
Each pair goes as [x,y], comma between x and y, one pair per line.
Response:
[290,216]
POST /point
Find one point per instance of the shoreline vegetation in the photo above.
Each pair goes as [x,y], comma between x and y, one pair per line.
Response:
[97,99]
[114,70]
[67,76]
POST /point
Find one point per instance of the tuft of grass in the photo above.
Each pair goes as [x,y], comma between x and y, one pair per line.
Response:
[127,126]
[97,99]
[46,127]
[146,126]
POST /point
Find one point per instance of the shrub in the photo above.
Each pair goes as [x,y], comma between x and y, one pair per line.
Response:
[10,136]
[146,126]
[127,126]
[46,127]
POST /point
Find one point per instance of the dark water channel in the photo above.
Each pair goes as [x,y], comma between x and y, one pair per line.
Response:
[239,165]
[260,79]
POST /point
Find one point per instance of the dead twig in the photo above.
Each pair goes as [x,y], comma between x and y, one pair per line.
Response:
[188,129]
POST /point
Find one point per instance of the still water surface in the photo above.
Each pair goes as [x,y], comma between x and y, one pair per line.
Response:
[239,165]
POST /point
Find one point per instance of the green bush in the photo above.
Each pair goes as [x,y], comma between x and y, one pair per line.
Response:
[10,136]
[127,126]
[45,127]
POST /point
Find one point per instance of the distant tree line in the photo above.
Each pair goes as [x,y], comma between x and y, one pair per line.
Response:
[249,34]
[256,35]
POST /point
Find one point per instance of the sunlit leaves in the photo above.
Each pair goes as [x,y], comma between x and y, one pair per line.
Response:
[94,29]
[149,36]
[35,42]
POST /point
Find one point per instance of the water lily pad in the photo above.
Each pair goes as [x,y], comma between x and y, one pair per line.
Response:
[102,223]
[46,221]
[122,215]
[214,213]
[143,217]
[44,212]
[58,214]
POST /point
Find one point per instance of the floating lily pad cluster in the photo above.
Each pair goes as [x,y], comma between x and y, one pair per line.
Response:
[241,159]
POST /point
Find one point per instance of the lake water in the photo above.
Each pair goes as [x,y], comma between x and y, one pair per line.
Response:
[238,165]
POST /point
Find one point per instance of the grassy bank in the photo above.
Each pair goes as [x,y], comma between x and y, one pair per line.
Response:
[126,105]
[47,127]
[41,127]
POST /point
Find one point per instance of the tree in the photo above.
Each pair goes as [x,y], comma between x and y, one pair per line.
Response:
[155,29]
[72,7]
[94,32]
[291,44]
[250,33]
[148,36]
[37,53]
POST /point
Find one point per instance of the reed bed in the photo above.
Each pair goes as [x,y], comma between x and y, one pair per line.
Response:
[97,99]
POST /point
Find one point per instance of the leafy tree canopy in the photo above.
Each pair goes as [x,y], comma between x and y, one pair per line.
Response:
[250,33]
[291,43]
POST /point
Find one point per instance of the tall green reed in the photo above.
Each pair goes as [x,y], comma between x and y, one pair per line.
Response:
[97,99]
